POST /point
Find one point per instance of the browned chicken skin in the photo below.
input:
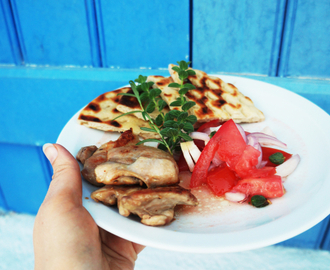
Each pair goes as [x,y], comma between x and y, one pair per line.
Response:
[100,155]
[124,168]
[153,166]
[154,206]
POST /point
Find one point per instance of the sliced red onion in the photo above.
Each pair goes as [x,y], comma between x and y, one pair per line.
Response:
[265,139]
[262,164]
[253,141]
[200,136]
[216,160]
[287,167]
[241,130]
[237,197]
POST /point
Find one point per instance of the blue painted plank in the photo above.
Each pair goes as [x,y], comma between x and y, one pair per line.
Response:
[3,203]
[149,34]
[306,43]
[9,47]
[56,32]
[44,100]
[311,239]
[23,181]
[237,36]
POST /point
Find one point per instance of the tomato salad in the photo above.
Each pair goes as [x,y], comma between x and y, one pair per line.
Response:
[237,164]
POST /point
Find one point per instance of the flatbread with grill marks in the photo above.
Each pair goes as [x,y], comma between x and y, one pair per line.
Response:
[100,112]
[129,104]
[214,98]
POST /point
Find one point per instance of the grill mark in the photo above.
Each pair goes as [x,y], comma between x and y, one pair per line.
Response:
[219,103]
[114,123]
[89,118]
[163,82]
[93,107]
[130,102]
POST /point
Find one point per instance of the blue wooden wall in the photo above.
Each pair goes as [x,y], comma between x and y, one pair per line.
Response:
[55,56]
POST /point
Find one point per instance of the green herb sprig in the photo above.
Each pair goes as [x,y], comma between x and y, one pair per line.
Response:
[172,127]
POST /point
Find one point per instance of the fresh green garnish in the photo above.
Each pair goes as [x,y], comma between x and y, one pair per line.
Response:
[172,127]
[277,158]
[212,134]
[259,201]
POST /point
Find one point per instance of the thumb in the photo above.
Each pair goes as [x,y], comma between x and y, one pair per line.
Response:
[66,181]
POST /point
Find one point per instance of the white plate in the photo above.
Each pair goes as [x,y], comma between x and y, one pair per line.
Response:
[296,121]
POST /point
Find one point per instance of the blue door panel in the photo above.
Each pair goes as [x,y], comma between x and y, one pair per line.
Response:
[237,36]
[55,32]
[38,103]
[310,239]
[23,180]
[148,34]
[306,43]
[9,48]
[3,204]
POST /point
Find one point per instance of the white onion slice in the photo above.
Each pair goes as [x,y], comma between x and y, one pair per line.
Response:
[241,130]
[187,157]
[265,139]
[268,131]
[209,130]
[235,196]
[193,150]
[287,167]
[199,136]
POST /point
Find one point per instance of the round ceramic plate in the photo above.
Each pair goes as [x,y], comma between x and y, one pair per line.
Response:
[217,225]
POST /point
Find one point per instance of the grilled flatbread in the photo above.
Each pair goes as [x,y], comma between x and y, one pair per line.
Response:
[100,112]
[214,98]
[129,104]
[169,94]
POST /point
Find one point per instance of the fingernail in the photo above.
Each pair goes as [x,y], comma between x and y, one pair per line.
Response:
[50,152]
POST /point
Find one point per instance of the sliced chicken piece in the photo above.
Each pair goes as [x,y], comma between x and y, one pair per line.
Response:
[153,166]
[100,155]
[85,153]
[155,206]
[109,194]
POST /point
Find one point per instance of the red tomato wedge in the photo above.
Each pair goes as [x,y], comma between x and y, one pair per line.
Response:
[213,123]
[229,144]
[247,161]
[267,152]
[221,180]
[269,187]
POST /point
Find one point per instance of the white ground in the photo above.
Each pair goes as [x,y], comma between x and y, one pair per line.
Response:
[16,252]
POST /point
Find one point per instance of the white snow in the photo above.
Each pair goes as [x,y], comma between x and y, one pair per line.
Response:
[16,252]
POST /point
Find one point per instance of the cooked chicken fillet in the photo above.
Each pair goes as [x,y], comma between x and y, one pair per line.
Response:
[100,155]
[155,206]
[109,194]
[153,166]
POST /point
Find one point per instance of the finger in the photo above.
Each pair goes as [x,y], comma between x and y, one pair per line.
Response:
[66,182]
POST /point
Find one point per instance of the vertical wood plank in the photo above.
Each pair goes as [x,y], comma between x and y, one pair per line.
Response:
[55,32]
[312,238]
[143,34]
[306,43]
[237,36]
[9,47]
[23,180]
[3,203]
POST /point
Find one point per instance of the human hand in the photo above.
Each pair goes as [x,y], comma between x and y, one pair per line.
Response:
[65,235]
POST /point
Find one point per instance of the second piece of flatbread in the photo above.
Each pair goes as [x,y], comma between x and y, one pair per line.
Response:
[100,113]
